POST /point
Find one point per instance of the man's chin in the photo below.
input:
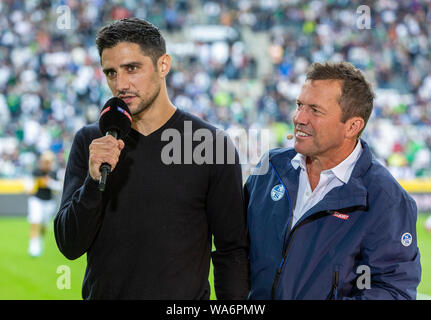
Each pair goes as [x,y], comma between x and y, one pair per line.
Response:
[138,109]
[302,149]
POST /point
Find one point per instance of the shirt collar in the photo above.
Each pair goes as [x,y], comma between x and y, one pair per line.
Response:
[298,160]
[342,171]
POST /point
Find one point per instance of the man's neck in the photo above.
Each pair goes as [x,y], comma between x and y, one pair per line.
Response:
[316,164]
[153,117]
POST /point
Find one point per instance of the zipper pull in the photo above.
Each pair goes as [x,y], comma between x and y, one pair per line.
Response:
[335,285]
[277,276]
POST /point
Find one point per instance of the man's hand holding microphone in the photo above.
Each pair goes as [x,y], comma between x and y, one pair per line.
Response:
[114,123]
[106,149]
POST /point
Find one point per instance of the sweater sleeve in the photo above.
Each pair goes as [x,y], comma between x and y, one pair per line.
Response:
[226,214]
[80,214]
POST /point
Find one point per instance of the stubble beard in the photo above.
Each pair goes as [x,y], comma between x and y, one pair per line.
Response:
[147,103]
[311,150]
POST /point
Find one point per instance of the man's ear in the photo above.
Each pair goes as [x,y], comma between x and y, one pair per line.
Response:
[164,65]
[353,127]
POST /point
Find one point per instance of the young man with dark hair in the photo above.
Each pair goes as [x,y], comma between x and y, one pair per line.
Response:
[149,235]
[327,221]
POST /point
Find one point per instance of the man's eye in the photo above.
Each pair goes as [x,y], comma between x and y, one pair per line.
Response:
[131,68]
[110,74]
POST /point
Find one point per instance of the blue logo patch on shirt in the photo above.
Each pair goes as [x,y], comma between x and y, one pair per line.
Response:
[277,192]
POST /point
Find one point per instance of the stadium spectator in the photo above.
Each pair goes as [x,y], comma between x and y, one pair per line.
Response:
[428,224]
[42,203]
[50,73]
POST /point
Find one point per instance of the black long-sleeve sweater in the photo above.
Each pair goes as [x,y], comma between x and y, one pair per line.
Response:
[148,236]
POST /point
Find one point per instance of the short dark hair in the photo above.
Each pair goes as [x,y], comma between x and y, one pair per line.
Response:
[134,30]
[356,98]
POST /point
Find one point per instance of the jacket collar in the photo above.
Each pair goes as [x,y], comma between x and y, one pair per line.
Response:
[288,174]
[350,195]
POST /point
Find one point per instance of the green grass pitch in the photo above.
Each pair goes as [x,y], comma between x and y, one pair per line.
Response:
[23,277]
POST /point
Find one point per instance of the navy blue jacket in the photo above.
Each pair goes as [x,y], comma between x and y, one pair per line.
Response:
[366,227]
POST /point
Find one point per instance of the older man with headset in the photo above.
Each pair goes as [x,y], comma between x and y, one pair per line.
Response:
[326,220]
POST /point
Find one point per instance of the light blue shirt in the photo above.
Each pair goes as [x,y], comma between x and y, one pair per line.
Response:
[329,179]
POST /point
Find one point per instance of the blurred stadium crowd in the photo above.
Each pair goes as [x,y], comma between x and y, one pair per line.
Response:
[238,64]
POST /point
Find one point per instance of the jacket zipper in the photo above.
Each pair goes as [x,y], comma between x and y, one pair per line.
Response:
[335,285]
[286,251]
[291,235]
[280,268]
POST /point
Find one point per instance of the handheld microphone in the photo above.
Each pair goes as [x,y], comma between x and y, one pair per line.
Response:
[115,120]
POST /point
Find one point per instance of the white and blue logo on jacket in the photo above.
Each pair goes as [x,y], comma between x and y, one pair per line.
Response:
[406,239]
[277,192]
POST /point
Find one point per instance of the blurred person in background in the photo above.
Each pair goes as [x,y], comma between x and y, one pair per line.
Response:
[428,224]
[42,203]
[37,58]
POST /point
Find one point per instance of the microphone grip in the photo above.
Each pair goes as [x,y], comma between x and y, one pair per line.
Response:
[105,168]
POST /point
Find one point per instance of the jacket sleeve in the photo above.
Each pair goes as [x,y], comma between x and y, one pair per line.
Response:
[390,251]
[226,216]
[79,216]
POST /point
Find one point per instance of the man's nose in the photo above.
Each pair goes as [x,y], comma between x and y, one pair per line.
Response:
[122,83]
[300,116]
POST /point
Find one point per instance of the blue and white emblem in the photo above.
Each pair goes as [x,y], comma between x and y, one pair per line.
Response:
[406,239]
[277,192]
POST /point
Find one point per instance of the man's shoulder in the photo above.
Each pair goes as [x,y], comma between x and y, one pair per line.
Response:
[85,135]
[196,121]
[90,131]
[379,180]
[37,172]
[282,154]
[277,157]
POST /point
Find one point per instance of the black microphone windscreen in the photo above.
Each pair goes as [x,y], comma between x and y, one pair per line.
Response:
[115,116]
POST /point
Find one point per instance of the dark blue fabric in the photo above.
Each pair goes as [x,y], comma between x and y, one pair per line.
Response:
[322,245]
